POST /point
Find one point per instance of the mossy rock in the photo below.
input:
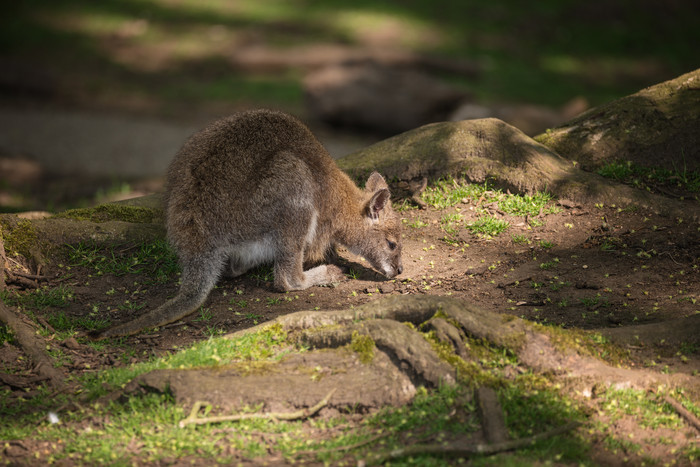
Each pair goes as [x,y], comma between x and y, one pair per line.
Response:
[491,150]
[655,127]
[138,219]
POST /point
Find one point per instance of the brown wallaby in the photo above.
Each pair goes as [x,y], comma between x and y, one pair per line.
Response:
[258,187]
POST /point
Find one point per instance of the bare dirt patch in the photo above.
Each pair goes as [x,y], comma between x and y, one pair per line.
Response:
[584,267]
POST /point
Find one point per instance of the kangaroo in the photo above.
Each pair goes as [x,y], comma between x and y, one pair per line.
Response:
[258,187]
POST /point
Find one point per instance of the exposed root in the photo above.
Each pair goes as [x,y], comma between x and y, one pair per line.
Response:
[493,422]
[3,261]
[531,344]
[683,412]
[31,345]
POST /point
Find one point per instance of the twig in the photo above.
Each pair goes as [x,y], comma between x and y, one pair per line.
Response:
[683,412]
[35,277]
[459,450]
[343,448]
[303,413]
[12,278]
[30,344]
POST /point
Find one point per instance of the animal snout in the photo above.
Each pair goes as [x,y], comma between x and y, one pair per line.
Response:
[393,271]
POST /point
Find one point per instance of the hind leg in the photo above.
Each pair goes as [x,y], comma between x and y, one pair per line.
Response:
[199,276]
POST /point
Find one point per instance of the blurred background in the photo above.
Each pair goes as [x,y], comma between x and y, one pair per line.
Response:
[97,96]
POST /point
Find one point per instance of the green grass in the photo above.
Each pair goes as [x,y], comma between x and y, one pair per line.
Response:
[62,322]
[650,177]
[523,205]
[114,431]
[488,226]
[40,299]
[451,223]
[520,239]
[155,259]
[449,192]
[263,273]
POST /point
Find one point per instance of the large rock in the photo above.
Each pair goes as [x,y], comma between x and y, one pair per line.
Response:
[491,150]
[377,97]
[530,119]
[658,126]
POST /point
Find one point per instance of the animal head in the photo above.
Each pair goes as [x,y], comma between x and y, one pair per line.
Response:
[381,244]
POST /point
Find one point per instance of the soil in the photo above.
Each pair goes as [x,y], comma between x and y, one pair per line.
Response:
[586,267]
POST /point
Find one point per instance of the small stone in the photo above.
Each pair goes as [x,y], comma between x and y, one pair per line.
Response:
[71,343]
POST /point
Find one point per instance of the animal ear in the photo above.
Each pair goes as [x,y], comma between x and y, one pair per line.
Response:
[378,202]
[375,182]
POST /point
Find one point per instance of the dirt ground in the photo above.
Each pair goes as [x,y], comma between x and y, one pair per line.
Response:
[585,267]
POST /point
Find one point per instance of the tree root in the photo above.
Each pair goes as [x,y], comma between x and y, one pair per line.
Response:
[533,346]
[193,419]
[31,345]
[3,261]
[683,412]
[493,423]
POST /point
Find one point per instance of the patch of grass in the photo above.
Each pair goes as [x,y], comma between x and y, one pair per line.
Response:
[240,303]
[524,205]
[62,322]
[267,345]
[156,259]
[39,299]
[650,177]
[112,212]
[520,239]
[549,264]
[363,346]
[205,314]
[451,223]
[6,335]
[534,409]
[598,300]
[417,223]
[488,226]
[263,273]
[647,410]
[128,305]
[352,274]
[449,192]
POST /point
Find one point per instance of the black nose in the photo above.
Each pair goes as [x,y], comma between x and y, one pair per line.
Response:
[399,270]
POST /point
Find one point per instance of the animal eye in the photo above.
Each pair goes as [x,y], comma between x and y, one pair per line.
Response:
[392,245]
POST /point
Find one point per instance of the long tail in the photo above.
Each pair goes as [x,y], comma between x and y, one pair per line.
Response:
[199,278]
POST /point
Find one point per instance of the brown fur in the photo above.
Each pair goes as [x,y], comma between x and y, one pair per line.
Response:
[258,187]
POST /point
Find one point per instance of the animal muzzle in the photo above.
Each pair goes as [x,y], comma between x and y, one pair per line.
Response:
[391,271]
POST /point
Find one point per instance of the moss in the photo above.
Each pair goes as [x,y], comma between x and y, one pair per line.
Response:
[468,372]
[112,212]
[363,346]
[584,343]
[19,239]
